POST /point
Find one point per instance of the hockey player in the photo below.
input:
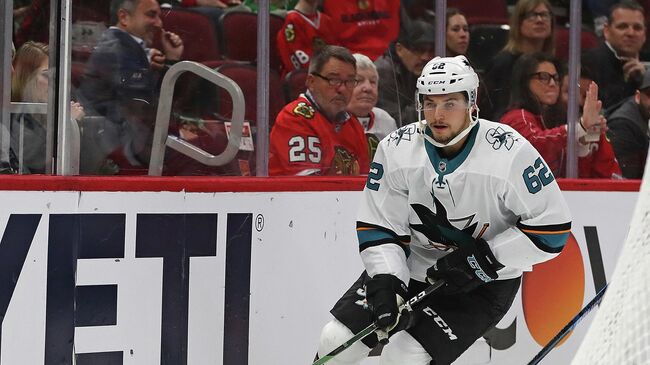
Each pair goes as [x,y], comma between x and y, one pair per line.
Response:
[455,198]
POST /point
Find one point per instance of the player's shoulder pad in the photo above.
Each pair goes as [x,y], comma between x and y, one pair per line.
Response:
[501,137]
[403,136]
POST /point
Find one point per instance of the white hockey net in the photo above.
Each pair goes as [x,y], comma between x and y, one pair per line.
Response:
[620,333]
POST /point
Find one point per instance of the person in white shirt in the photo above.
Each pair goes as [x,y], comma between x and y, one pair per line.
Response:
[375,121]
[450,197]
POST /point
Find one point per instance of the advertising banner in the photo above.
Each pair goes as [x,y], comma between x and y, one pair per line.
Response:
[239,278]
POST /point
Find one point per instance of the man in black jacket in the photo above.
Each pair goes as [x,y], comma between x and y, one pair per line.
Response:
[400,66]
[615,63]
[628,131]
[122,78]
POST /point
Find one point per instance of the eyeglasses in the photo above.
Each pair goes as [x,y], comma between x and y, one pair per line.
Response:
[532,15]
[350,84]
[546,77]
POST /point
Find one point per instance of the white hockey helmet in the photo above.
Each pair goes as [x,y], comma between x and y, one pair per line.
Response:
[447,75]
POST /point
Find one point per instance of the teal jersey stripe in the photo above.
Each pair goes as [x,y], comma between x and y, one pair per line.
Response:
[373,235]
[553,242]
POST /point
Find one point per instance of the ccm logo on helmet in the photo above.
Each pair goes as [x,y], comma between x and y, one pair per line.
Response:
[436,82]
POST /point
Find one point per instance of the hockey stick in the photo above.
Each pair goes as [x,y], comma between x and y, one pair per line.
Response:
[569,326]
[373,327]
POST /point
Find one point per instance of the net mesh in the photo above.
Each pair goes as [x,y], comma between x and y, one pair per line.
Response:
[620,333]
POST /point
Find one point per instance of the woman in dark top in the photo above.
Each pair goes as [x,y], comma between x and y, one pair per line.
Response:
[532,29]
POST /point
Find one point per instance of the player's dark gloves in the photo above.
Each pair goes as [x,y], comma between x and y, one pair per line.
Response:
[382,292]
[466,268]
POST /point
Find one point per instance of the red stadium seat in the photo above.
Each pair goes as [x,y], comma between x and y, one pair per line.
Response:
[482,12]
[197,31]
[238,32]
[245,75]
[212,137]
[294,84]
[588,40]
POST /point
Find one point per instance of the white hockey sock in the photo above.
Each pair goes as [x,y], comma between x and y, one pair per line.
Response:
[404,349]
[332,336]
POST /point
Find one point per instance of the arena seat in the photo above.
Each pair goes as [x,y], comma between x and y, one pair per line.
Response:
[482,12]
[197,32]
[245,75]
[294,84]
[238,31]
[588,40]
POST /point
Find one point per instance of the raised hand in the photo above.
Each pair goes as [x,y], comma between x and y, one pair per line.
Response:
[633,69]
[591,110]
[172,45]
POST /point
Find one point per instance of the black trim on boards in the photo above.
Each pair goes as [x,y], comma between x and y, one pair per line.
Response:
[238,284]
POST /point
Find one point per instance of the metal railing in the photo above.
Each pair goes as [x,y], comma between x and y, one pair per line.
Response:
[161,138]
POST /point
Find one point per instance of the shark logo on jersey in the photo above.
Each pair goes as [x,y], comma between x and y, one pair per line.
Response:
[498,138]
[437,227]
[402,134]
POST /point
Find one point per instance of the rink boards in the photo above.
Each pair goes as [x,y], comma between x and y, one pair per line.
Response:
[236,278]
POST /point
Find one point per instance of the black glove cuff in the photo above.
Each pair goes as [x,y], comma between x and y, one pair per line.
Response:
[485,250]
[386,281]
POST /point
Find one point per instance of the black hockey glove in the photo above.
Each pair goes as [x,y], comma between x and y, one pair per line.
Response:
[466,268]
[382,293]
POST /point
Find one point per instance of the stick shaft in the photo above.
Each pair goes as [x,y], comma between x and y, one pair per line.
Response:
[569,326]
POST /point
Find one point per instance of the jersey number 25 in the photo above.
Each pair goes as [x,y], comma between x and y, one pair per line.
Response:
[297,152]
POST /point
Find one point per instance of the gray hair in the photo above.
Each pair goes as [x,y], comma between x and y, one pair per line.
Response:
[117,5]
[364,62]
[319,60]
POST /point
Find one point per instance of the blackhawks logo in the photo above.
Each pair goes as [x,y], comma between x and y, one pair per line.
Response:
[363,4]
[304,110]
[289,33]
[344,162]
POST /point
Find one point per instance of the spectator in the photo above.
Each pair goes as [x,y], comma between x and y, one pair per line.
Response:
[532,29]
[9,162]
[122,78]
[535,91]
[615,62]
[628,131]
[457,38]
[366,26]
[30,84]
[602,161]
[304,32]
[400,67]
[375,121]
[314,135]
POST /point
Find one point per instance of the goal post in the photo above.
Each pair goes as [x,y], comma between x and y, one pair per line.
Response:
[620,332]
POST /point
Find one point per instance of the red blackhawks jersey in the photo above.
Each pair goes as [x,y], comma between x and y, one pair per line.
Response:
[365,26]
[304,142]
[300,35]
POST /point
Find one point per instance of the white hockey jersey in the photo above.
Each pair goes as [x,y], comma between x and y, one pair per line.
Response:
[497,187]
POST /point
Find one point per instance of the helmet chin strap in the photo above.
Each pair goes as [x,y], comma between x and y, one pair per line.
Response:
[473,116]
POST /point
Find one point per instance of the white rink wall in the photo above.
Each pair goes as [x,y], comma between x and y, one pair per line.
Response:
[140,299]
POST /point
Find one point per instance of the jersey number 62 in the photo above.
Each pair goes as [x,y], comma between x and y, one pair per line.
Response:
[535,180]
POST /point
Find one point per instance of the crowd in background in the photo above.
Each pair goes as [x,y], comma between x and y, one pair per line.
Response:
[343,77]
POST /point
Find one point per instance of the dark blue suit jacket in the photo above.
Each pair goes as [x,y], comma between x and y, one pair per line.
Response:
[117,74]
